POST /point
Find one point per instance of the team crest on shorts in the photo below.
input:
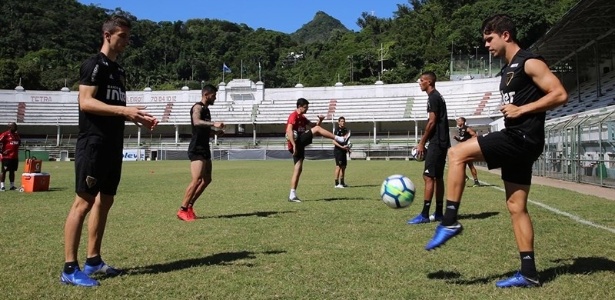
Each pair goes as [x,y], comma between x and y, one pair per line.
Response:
[90,181]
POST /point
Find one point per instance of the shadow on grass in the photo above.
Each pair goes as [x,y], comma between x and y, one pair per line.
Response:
[225,258]
[343,199]
[262,214]
[572,266]
[54,189]
[480,216]
[577,266]
[360,186]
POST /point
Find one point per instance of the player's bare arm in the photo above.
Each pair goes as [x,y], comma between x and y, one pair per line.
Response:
[555,94]
[88,103]
[471,132]
[196,120]
[289,134]
[429,129]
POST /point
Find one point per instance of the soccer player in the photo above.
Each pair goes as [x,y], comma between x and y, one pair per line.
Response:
[339,152]
[465,133]
[437,133]
[199,152]
[298,124]
[98,153]
[528,90]
[9,151]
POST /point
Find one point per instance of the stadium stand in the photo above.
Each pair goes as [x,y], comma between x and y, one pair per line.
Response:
[249,103]
[229,112]
[587,97]
[43,113]
[9,112]
[468,105]
[276,112]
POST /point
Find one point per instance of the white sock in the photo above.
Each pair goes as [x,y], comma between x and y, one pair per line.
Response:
[1,185]
[293,193]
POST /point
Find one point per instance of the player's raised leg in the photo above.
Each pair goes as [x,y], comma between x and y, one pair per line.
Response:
[458,156]
[319,131]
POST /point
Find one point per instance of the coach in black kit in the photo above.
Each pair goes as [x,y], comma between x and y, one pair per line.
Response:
[98,154]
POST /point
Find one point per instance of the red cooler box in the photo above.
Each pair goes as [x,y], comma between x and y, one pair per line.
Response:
[35,182]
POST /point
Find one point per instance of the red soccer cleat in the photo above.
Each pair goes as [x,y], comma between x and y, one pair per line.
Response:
[185,215]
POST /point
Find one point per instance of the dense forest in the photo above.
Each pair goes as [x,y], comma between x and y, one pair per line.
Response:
[43,42]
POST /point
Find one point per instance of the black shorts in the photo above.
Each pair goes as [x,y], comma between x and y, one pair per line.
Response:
[98,167]
[198,155]
[512,153]
[303,140]
[435,159]
[10,165]
[340,157]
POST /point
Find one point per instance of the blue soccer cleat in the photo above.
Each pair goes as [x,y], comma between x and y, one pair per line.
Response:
[418,220]
[517,280]
[78,278]
[102,268]
[443,234]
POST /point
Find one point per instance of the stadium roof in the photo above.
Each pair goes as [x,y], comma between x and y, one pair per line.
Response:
[588,22]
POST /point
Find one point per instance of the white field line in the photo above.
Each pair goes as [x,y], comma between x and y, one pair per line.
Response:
[562,213]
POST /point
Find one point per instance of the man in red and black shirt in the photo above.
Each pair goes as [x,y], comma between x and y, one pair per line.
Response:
[298,136]
[10,142]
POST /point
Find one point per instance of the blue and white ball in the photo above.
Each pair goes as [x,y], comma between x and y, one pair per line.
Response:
[397,191]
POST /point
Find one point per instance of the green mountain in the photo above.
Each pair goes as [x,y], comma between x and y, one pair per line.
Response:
[320,29]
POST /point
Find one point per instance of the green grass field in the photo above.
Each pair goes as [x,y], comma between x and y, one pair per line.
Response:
[250,243]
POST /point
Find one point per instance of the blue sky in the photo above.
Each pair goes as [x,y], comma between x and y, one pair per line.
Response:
[285,16]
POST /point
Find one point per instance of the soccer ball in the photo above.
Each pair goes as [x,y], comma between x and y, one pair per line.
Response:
[413,152]
[397,191]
